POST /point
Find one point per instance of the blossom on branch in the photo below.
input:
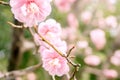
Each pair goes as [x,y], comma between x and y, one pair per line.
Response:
[54,63]
[49,29]
[30,12]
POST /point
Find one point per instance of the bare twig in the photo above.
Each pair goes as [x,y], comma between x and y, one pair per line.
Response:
[13,25]
[4,3]
[70,51]
[73,75]
[20,72]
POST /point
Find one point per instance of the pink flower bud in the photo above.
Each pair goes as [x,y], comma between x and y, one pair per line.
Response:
[72,20]
[110,73]
[86,16]
[98,38]
[92,60]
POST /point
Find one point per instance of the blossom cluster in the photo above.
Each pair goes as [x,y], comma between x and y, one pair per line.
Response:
[33,13]
[30,12]
[53,62]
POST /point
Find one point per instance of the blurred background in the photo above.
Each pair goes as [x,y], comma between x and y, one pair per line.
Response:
[92,26]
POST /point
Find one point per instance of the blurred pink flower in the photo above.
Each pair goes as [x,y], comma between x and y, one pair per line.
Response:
[88,51]
[98,38]
[54,63]
[92,60]
[86,16]
[30,12]
[31,76]
[117,53]
[72,20]
[115,59]
[111,21]
[63,5]
[110,73]
[1,74]
[82,44]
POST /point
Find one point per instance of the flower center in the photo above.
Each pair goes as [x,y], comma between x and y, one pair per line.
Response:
[28,8]
[55,62]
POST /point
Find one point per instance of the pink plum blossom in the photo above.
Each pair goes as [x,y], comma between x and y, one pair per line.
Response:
[98,38]
[64,5]
[72,20]
[110,73]
[49,29]
[92,60]
[54,63]
[30,12]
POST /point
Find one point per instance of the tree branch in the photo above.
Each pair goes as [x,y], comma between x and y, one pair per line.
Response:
[17,73]
[4,3]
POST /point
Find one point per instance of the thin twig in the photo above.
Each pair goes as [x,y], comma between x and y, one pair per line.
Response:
[4,3]
[13,25]
[20,72]
[69,52]
[73,75]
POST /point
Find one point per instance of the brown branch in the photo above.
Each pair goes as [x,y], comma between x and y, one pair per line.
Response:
[69,52]
[17,73]
[13,25]
[4,3]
